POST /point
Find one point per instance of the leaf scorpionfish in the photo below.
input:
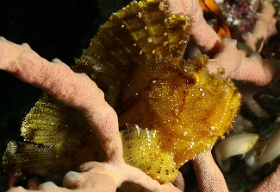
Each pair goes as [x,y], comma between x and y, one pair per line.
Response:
[170,109]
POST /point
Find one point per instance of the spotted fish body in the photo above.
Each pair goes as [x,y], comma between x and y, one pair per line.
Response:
[170,109]
[57,138]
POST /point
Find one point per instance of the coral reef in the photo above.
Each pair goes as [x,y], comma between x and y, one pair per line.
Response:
[157,138]
[24,63]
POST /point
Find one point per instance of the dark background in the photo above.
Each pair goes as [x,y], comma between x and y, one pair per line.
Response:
[54,29]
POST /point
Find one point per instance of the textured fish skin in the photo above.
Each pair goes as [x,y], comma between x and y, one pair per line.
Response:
[170,109]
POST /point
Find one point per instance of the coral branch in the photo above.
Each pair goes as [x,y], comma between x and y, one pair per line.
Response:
[236,66]
[79,91]
[61,82]
[210,178]
[202,34]
[263,29]
[271,183]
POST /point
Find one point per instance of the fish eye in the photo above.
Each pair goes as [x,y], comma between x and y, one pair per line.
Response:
[192,80]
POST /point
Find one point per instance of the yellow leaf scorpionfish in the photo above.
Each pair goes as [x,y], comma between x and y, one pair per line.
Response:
[170,109]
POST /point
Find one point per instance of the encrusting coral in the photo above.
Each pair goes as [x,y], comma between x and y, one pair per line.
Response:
[80,92]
